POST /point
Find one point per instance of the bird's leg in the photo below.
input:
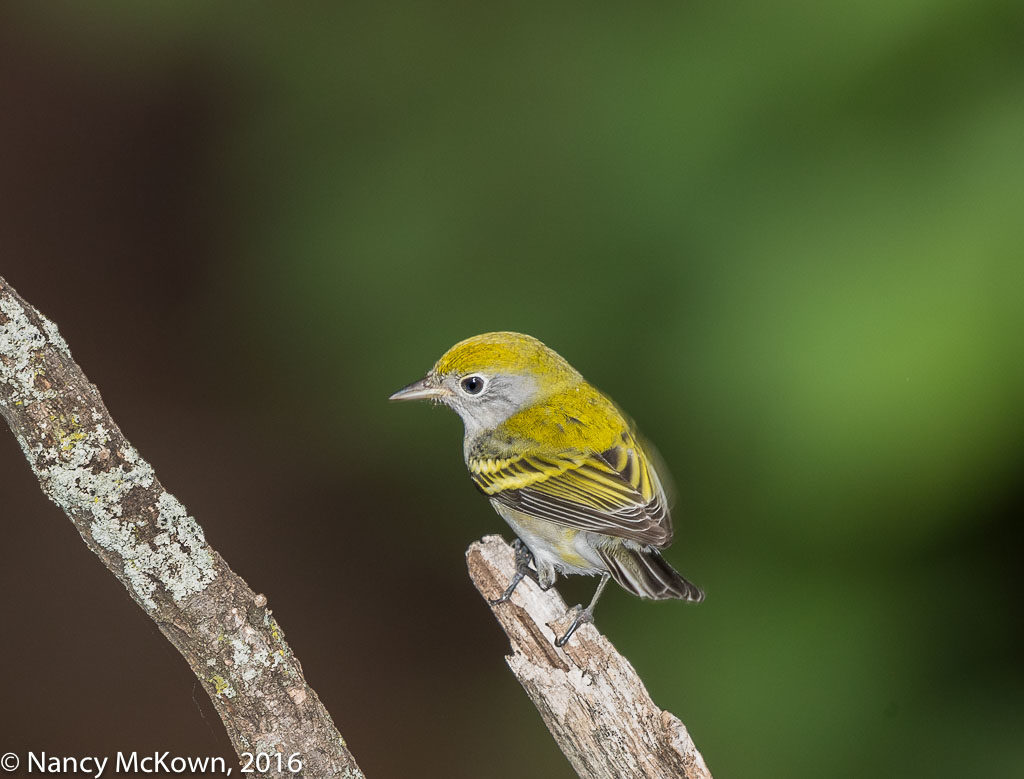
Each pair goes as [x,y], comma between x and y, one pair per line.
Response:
[523,559]
[585,615]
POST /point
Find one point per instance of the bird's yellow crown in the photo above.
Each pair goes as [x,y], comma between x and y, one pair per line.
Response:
[506,352]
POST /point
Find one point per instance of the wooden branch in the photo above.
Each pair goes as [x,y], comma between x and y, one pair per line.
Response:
[588,694]
[147,539]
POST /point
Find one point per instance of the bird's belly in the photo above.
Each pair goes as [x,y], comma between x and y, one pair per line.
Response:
[564,549]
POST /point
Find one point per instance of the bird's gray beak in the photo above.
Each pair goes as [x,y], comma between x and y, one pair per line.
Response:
[425,388]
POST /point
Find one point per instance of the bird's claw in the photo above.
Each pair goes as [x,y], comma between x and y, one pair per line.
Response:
[583,616]
[507,594]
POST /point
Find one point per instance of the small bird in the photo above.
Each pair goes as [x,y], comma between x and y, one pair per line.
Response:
[561,464]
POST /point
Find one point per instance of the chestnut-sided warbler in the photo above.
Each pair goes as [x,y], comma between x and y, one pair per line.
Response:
[561,464]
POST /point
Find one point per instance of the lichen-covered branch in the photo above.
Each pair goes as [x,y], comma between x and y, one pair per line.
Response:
[147,538]
[588,694]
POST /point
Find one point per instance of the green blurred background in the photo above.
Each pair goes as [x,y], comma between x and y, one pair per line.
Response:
[788,238]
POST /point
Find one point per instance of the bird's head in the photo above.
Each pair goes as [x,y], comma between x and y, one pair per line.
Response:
[488,378]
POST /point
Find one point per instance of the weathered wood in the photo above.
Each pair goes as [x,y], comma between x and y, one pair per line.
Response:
[589,696]
[148,540]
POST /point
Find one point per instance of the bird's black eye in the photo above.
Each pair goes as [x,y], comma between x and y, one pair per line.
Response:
[473,385]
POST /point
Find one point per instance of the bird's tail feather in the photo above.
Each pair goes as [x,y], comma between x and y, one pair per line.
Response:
[645,573]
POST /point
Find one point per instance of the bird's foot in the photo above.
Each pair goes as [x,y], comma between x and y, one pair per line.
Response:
[507,594]
[583,616]
[523,570]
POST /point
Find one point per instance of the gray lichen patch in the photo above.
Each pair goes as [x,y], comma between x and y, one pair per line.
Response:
[250,655]
[68,473]
[71,481]
[188,566]
[55,338]
[21,344]
[177,559]
[249,661]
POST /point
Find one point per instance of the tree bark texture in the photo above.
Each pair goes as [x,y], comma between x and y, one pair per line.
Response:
[148,540]
[589,696]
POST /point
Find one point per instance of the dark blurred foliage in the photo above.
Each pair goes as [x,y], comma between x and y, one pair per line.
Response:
[787,237]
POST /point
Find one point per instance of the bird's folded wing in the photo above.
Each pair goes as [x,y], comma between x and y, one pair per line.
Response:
[616,492]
